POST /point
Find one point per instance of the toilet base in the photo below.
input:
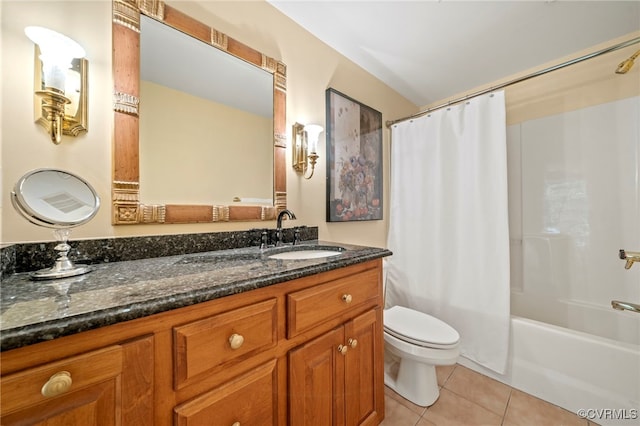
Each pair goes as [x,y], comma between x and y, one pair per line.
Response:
[414,381]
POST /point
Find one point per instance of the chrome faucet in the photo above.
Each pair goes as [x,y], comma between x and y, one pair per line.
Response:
[630,257]
[282,214]
[625,306]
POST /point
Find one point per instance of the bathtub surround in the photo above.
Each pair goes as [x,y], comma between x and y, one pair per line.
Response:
[449,223]
[28,257]
[574,201]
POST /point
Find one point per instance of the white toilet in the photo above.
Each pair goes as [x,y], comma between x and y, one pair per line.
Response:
[414,344]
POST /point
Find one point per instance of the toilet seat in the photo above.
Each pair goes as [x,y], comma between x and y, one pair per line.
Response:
[419,328]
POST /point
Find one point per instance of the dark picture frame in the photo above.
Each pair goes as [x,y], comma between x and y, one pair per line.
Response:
[354,159]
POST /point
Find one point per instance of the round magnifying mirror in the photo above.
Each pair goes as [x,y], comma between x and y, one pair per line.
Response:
[60,200]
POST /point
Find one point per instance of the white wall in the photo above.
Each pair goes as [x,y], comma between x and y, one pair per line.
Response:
[573,147]
[575,201]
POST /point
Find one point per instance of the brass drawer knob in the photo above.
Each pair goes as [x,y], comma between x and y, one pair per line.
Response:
[353,343]
[236,340]
[342,349]
[346,298]
[57,384]
[236,424]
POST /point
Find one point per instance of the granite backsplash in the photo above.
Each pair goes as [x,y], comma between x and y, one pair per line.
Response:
[28,257]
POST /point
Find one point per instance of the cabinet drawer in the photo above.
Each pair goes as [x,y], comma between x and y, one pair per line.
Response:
[63,378]
[310,307]
[230,336]
[250,399]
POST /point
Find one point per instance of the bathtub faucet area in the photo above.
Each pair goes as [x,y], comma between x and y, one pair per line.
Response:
[630,257]
[625,306]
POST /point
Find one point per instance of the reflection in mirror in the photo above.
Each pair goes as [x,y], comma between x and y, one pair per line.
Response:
[196,132]
[60,200]
[142,122]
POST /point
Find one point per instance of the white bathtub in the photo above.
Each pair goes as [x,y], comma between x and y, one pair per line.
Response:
[590,318]
[571,369]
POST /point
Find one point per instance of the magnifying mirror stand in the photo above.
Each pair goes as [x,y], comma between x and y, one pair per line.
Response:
[60,200]
[63,267]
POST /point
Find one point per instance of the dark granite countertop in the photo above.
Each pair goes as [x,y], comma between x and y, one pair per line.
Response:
[36,311]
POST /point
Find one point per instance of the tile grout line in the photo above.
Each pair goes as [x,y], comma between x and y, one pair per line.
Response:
[502,416]
[504,413]
[440,389]
[478,404]
[506,408]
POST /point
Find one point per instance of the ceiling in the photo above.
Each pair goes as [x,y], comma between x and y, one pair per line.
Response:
[432,50]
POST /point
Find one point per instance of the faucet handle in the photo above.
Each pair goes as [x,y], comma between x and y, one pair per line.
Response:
[296,236]
[630,257]
[264,239]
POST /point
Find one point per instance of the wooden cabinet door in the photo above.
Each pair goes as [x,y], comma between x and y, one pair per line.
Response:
[316,382]
[93,405]
[364,370]
[250,399]
[97,388]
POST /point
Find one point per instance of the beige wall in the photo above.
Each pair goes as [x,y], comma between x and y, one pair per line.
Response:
[188,158]
[584,84]
[25,145]
[312,67]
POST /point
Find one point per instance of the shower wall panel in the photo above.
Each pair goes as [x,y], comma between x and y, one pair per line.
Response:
[574,202]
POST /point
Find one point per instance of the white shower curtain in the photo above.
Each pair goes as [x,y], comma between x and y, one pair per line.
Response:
[449,223]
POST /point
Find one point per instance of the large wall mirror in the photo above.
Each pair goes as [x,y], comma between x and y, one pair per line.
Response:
[199,132]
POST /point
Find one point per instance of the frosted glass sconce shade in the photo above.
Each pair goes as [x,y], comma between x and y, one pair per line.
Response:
[305,148]
[57,52]
[313,132]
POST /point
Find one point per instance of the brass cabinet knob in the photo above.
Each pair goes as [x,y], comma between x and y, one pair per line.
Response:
[346,298]
[57,384]
[236,340]
[353,343]
[342,349]
[236,424]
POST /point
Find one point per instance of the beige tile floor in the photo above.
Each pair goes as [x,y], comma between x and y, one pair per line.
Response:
[469,398]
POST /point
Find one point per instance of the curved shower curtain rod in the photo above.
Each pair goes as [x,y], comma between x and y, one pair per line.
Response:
[518,80]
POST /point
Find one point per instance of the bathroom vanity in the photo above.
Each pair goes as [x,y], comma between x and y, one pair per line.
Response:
[225,337]
[230,337]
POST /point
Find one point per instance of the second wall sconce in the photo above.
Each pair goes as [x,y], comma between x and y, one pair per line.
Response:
[60,83]
[305,148]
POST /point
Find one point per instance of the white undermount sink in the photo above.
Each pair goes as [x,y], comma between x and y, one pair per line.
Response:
[305,254]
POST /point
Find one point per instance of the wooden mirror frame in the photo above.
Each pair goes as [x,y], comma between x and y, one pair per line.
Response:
[127,207]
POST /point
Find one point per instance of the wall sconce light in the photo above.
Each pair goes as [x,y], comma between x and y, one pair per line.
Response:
[305,147]
[60,83]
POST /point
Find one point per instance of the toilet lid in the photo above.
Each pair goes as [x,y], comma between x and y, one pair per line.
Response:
[418,327]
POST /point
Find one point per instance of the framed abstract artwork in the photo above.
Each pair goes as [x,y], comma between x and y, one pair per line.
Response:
[354,159]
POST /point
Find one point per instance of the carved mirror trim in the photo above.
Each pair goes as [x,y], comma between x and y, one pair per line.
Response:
[127,206]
